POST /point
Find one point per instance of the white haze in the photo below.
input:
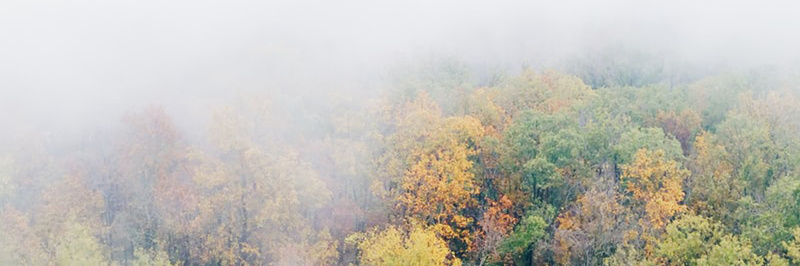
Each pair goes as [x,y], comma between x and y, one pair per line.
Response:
[70,67]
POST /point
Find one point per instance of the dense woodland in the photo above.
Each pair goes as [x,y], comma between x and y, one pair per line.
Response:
[607,160]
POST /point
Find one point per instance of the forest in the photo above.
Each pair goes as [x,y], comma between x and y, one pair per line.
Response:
[360,133]
[616,166]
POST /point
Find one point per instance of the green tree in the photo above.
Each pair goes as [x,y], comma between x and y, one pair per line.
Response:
[77,246]
[751,151]
[150,258]
[528,232]
[712,189]
[647,138]
[730,251]
[712,97]
[687,239]
[545,153]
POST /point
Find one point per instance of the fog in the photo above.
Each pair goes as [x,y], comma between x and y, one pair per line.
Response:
[71,70]
[71,65]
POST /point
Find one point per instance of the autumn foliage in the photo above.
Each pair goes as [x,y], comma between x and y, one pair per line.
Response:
[534,168]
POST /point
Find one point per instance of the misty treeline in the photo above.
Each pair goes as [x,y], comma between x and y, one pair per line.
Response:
[613,159]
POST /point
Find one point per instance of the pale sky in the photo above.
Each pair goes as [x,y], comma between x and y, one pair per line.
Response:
[66,66]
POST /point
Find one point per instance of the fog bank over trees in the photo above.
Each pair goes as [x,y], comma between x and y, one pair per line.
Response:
[399,133]
[66,62]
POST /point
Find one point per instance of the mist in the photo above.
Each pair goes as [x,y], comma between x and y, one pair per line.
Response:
[73,73]
[74,63]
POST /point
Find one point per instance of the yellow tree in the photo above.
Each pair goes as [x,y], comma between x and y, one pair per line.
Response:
[147,156]
[19,244]
[6,178]
[412,125]
[417,245]
[61,229]
[428,170]
[712,188]
[655,186]
[66,205]
[257,198]
[78,246]
[439,182]
[591,228]
[548,92]
[793,247]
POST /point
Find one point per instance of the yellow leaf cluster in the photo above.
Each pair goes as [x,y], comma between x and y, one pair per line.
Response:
[429,171]
[391,246]
[655,182]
